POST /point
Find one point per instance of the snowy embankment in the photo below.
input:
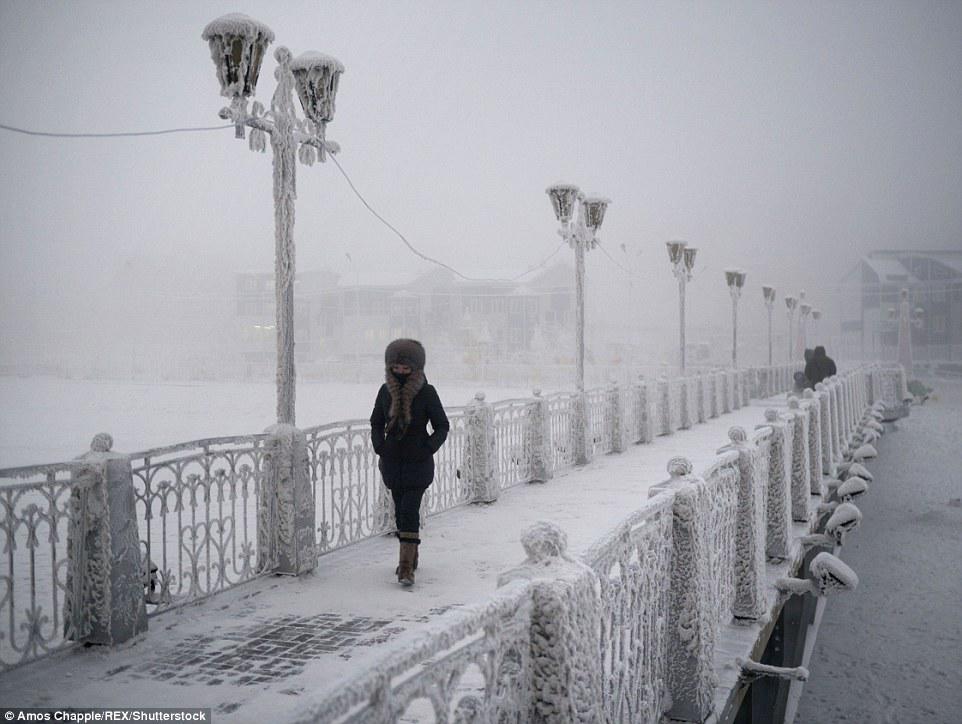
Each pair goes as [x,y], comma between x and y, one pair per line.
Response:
[50,419]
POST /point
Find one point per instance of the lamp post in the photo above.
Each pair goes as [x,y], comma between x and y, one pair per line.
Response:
[735,279]
[804,309]
[237,45]
[790,304]
[907,320]
[816,315]
[581,235]
[769,295]
[682,258]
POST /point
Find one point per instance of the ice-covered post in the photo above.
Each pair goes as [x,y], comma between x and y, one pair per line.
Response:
[778,529]
[825,427]
[539,445]
[703,413]
[104,591]
[815,438]
[664,398]
[682,258]
[726,391]
[691,633]
[905,332]
[616,418]
[804,309]
[481,459]
[800,460]
[237,46]
[750,528]
[735,278]
[684,421]
[286,504]
[566,684]
[642,400]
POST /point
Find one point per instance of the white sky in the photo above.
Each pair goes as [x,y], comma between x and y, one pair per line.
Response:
[785,138]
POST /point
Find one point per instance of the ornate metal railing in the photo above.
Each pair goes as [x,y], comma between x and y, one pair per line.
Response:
[473,665]
[633,564]
[560,416]
[197,507]
[38,503]
[512,440]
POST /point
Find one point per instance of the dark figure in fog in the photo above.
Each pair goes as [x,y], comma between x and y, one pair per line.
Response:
[404,406]
[808,360]
[820,367]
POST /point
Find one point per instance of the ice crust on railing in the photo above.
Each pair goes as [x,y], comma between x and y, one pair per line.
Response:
[800,460]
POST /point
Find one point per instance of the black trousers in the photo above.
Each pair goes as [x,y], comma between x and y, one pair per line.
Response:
[407,504]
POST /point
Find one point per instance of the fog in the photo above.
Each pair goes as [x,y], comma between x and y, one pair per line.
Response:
[785,139]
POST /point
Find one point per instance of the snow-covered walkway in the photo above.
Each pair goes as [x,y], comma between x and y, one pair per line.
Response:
[253,653]
[892,652]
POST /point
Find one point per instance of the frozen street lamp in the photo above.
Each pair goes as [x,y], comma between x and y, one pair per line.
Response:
[735,279]
[682,258]
[582,235]
[790,304]
[769,294]
[816,315]
[907,319]
[804,309]
[237,47]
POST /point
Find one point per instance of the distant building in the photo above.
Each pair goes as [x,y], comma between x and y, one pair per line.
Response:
[871,290]
[337,320]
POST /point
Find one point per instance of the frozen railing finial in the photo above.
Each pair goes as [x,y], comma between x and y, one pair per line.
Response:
[827,574]
[771,415]
[793,402]
[679,467]
[853,487]
[102,442]
[543,542]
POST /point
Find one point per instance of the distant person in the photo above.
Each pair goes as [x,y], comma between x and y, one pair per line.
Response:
[404,406]
[820,367]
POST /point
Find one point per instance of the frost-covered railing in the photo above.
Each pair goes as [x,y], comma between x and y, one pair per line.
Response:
[473,664]
[628,631]
[38,503]
[633,562]
[197,507]
[511,419]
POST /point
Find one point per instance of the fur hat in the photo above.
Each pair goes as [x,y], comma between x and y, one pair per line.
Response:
[405,352]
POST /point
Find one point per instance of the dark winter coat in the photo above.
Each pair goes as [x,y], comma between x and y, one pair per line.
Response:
[820,367]
[407,456]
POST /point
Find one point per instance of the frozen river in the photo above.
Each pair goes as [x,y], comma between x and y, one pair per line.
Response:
[48,419]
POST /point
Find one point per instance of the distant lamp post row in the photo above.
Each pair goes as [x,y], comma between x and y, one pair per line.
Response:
[682,258]
[237,46]
[735,278]
[769,294]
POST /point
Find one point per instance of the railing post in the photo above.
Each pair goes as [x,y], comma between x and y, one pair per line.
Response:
[779,499]
[815,469]
[566,684]
[286,503]
[481,459]
[644,425]
[747,384]
[825,427]
[750,528]
[801,474]
[684,419]
[726,393]
[539,445]
[691,636]
[615,418]
[703,412]
[579,427]
[664,395]
[104,594]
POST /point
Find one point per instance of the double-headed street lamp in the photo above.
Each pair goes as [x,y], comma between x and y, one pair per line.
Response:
[682,258]
[735,278]
[816,315]
[790,304]
[769,295]
[581,235]
[906,319]
[804,309]
[237,47]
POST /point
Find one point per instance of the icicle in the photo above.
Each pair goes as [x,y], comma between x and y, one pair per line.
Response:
[258,140]
[306,154]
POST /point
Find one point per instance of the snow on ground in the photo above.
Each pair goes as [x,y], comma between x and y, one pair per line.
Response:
[356,596]
[50,419]
[892,650]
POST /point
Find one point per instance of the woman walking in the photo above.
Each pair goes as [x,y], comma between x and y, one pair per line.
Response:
[405,404]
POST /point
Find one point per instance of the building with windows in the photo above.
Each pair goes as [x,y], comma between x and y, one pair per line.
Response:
[351,317]
[870,294]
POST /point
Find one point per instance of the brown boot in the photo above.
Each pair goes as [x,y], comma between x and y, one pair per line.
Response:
[408,558]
